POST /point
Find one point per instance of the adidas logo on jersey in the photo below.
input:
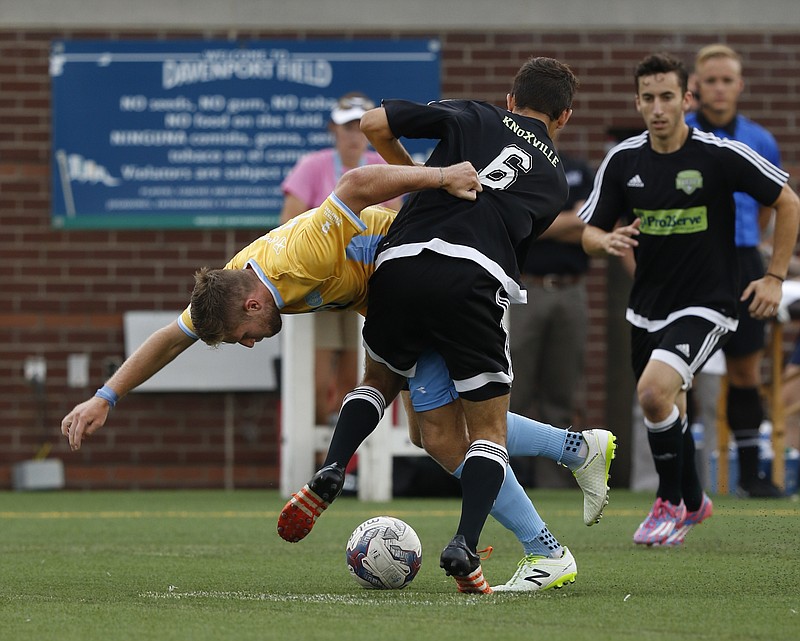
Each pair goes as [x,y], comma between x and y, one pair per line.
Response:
[636,181]
[684,349]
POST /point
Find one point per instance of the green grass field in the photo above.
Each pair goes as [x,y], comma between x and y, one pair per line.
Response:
[208,565]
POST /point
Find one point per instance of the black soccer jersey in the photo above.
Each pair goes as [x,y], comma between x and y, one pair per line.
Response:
[686,260]
[524,187]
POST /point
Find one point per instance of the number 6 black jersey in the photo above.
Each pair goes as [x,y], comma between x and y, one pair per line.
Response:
[686,262]
[523,180]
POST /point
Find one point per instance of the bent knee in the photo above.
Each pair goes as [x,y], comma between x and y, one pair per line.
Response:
[654,400]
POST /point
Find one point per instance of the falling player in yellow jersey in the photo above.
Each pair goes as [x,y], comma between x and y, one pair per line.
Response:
[323,260]
[310,263]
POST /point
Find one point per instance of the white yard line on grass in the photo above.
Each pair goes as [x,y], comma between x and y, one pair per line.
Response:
[396,598]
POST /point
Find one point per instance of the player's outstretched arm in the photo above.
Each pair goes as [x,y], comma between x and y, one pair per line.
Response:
[153,355]
[372,184]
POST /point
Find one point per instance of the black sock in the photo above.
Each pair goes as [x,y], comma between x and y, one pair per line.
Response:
[362,410]
[481,478]
[691,487]
[745,414]
[667,449]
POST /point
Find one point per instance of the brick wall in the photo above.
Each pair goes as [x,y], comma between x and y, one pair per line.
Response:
[65,292]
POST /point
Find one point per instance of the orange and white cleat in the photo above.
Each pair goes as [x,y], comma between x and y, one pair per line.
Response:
[299,515]
[474,583]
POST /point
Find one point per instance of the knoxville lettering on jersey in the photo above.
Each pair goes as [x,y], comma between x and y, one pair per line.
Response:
[531,138]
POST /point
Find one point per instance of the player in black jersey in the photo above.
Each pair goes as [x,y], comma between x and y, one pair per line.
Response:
[446,273]
[677,183]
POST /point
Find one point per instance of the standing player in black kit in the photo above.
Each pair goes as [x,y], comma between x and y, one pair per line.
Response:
[448,269]
[677,184]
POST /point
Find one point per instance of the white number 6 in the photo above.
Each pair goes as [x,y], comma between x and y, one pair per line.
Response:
[506,167]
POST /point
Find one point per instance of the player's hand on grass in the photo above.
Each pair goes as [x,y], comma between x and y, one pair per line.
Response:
[84,420]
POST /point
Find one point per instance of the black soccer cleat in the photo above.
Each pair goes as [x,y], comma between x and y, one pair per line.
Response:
[457,559]
[464,566]
[759,488]
[328,482]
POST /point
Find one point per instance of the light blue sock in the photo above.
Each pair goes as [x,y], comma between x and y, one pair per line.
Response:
[527,437]
[514,510]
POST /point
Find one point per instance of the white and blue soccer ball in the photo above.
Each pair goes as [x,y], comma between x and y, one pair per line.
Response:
[384,553]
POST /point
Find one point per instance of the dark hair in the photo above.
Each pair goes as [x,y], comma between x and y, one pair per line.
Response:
[215,304]
[662,63]
[544,85]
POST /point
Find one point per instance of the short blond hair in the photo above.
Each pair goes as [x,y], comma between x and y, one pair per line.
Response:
[216,306]
[716,50]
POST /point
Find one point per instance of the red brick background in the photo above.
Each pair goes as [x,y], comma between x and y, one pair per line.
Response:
[64,292]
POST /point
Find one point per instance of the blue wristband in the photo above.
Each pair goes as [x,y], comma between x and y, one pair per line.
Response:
[107,394]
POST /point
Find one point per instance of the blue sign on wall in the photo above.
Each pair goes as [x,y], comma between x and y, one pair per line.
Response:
[200,134]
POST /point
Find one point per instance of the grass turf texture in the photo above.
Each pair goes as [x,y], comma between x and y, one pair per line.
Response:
[209,565]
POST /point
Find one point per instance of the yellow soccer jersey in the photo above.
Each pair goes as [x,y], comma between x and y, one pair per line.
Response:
[321,259]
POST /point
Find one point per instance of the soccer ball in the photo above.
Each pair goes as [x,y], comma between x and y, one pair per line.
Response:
[384,553]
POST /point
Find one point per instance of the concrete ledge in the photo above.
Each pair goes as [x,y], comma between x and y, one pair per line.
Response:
[45,474]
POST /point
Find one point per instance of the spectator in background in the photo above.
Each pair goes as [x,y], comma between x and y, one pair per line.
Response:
[718,85]
[548,336]
[308,184]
